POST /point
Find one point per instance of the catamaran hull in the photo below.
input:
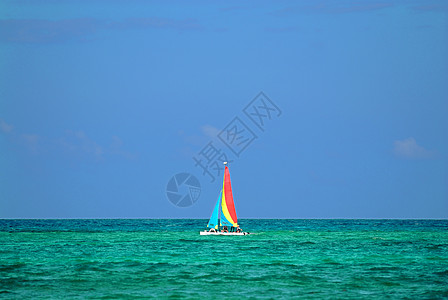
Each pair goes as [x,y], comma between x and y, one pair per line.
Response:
[223,233]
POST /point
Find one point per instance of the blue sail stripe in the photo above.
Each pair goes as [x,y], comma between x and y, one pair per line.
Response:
[213,223]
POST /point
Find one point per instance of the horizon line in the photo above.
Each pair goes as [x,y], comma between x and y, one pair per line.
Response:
[269,218]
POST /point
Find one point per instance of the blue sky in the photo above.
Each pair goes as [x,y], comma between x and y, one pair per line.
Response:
[101,103]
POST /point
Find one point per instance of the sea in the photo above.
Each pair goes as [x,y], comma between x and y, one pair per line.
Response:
[168,259]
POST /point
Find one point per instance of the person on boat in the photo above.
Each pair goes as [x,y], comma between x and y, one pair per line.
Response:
[238,229]
[212,230]
[225,229]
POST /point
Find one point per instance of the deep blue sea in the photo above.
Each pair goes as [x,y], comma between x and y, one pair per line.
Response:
[116,259]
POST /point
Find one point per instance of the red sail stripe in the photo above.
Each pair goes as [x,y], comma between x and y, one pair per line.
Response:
[229,195]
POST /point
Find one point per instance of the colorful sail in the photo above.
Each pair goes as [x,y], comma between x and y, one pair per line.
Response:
[228,213]
[213,223]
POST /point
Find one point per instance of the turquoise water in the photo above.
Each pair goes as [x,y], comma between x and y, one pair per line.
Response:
[169,259]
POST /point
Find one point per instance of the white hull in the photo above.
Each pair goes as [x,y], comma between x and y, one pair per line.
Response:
[222,233]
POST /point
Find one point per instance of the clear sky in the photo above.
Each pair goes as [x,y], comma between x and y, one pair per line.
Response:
[102,102]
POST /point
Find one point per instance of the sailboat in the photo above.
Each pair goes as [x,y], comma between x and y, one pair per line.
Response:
[224,214]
